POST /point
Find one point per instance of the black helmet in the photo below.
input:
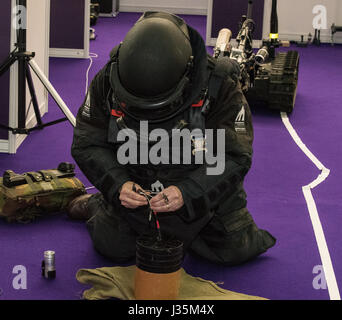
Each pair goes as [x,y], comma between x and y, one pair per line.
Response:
[150,73]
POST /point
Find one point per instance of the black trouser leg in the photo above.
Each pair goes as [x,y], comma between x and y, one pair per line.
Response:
[232,238]
[112,236]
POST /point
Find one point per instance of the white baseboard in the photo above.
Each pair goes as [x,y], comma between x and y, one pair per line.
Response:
[32,121]
[175,10]
[282,36]
[68,53]
[325,37]
[4,146]
[107,15]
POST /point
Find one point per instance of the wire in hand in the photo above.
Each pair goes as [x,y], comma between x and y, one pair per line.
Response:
[148,195]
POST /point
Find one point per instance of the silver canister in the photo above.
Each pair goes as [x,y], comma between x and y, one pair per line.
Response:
[48,265]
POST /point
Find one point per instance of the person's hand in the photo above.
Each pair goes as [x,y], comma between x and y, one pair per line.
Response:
[129,198]
[168,200]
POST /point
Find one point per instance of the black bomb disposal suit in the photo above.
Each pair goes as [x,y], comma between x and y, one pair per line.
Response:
[214,221]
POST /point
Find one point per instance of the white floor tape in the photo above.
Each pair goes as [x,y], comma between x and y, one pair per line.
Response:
[314,216]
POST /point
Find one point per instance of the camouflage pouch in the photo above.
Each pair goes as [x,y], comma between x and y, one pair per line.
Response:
[23,197]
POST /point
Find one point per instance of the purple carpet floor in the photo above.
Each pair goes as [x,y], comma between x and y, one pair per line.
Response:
[274,186]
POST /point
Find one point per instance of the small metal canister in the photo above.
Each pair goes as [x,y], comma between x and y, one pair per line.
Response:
[48,265]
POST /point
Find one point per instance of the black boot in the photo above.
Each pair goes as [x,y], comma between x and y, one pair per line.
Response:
[77,208]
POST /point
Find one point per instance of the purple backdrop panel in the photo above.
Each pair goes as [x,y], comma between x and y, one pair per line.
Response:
[67,24]
[227,14]
[5,38]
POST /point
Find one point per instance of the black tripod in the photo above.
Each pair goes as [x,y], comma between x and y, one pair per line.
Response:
[25,62]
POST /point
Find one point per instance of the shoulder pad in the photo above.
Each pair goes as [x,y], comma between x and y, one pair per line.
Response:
[226,67]
[221,69]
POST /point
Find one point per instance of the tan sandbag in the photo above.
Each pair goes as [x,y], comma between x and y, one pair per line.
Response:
[118,282]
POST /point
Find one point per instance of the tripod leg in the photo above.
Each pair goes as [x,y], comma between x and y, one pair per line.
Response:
[21,94]
[33,95]
[7,64]
[53,92]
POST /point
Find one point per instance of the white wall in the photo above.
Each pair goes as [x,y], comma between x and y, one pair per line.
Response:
[38,41]
[174,6]
[76,53]
[38,26]
[295,16]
